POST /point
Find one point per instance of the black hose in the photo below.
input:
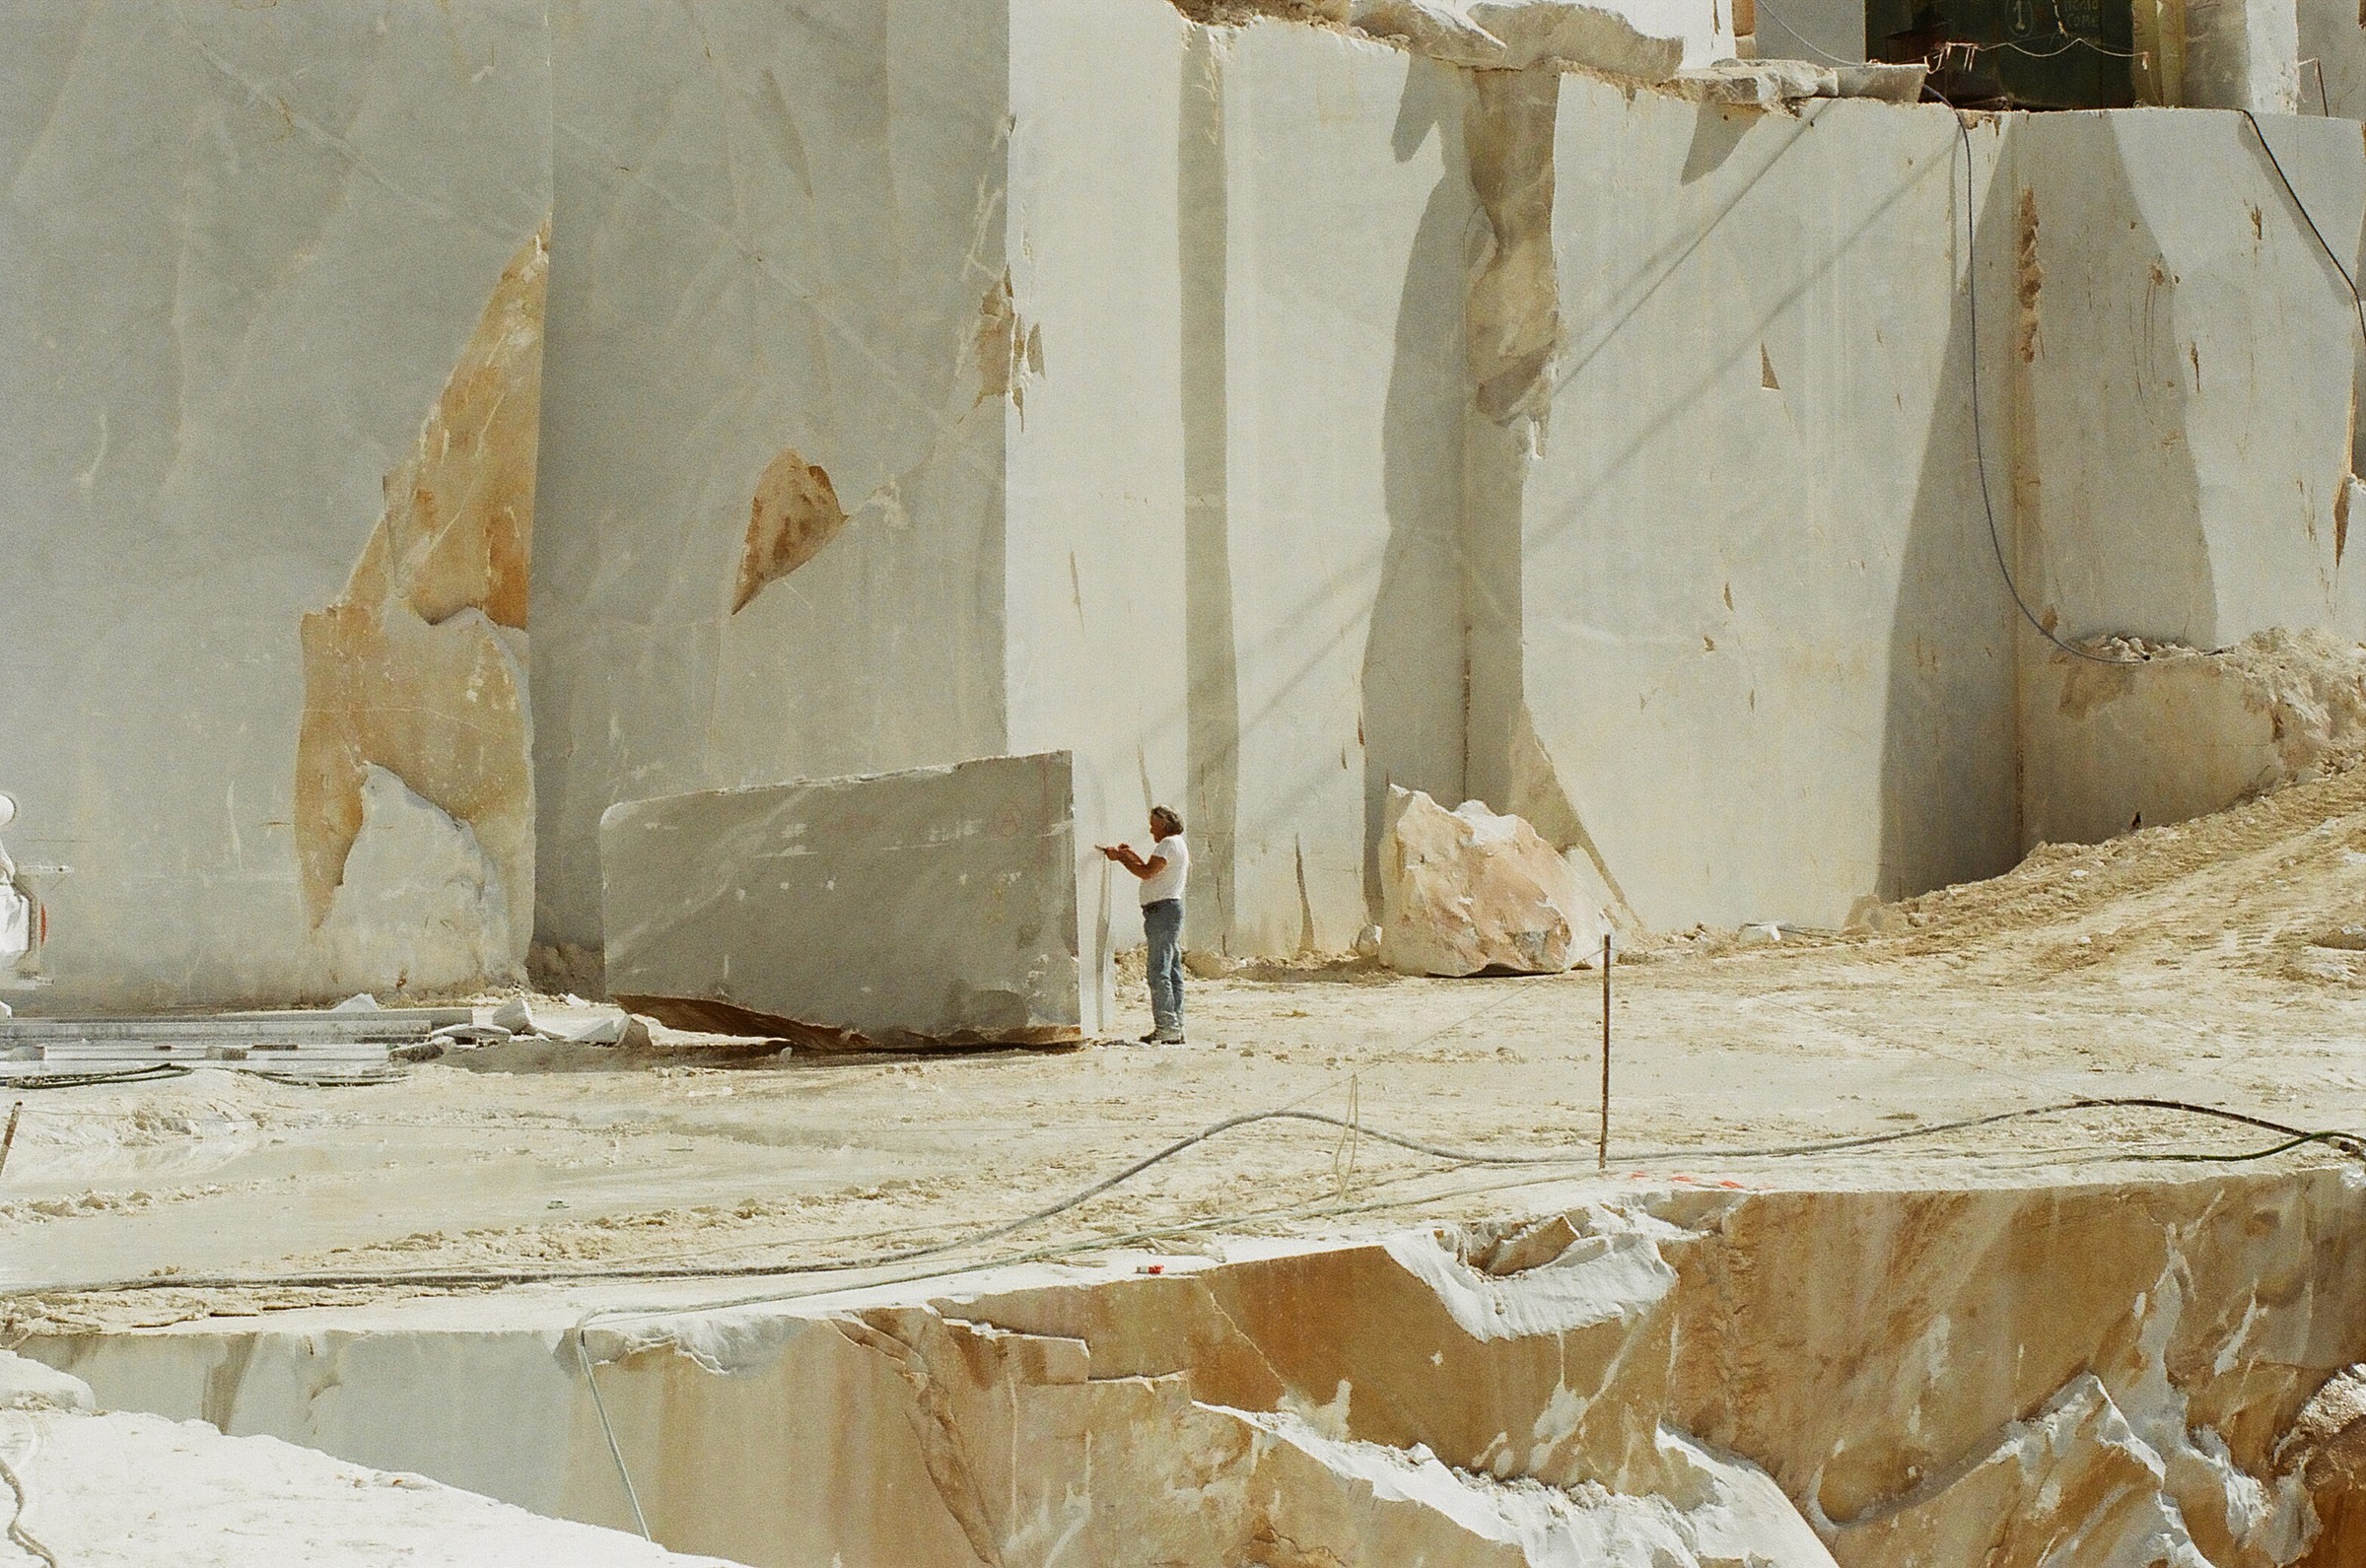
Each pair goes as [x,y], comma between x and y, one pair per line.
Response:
[155,1072]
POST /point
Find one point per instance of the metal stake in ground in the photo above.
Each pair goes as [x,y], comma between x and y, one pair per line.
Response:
[8,1138]
[1602,1149]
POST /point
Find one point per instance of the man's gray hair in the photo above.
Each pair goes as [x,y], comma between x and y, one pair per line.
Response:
[1167,818]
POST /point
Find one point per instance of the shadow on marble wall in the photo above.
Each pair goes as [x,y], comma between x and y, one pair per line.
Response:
[1413,672]
[1212,725]
[1948,812]
[1951,809]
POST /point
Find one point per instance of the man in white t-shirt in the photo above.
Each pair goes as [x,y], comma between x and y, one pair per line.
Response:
[1162,873]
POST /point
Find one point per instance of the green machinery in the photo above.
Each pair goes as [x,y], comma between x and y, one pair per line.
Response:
[2017,53]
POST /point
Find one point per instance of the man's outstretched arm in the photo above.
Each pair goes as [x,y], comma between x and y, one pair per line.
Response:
[1122,854]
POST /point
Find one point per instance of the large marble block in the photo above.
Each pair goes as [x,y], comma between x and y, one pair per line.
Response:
[1740,639]
[932,907]
[2183,442]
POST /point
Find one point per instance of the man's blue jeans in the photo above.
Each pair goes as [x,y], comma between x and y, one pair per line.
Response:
[1162,923]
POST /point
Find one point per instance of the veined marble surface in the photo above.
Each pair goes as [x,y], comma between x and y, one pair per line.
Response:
[242,250]
[932,907]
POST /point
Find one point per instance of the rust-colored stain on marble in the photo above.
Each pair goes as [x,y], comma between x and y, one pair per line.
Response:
[419,666]
[794,514]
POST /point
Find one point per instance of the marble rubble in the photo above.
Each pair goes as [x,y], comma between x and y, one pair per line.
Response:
[2000,1378]
[930,907]
[1268,411]
[2161,735]
[1467,890]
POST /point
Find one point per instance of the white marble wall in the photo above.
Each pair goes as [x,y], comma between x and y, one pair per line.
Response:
[783,232]
[2185,376]
[1095,562]
[1347,209]
[1764,643]
[2244,56]
[1104,382]
[1171,485]
[242,250]
[2332,71]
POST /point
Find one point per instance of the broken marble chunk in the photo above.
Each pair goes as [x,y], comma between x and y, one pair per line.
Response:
[2327,1441]
[1758,83]
[1515,34]
[1880,80]
[930,908]
[1432,28]
[796,511]
[1560,33]
[515,1016]
[1467,890]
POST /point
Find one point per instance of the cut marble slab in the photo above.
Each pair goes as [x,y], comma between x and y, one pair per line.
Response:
[934,907]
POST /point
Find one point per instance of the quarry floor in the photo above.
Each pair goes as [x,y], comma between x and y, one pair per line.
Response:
[2180,963]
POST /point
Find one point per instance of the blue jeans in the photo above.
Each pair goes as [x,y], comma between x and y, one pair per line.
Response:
[1162,923]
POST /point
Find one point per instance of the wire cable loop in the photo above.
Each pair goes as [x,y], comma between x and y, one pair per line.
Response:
[1575,1156]
[1979,444]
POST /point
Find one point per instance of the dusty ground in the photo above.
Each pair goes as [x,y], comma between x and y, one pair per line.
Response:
[2177,962]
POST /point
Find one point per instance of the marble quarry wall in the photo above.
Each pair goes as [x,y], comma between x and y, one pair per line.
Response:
[1783,679]
[272,284]
[2332,76]
[2144,429]
[1267,414]
[1823,671]
[1341,392]
[1107,436]
[1992,1379]
[2170,356]
[774,406]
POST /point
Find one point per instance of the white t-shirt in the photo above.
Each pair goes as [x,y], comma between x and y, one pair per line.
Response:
[1167,881]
